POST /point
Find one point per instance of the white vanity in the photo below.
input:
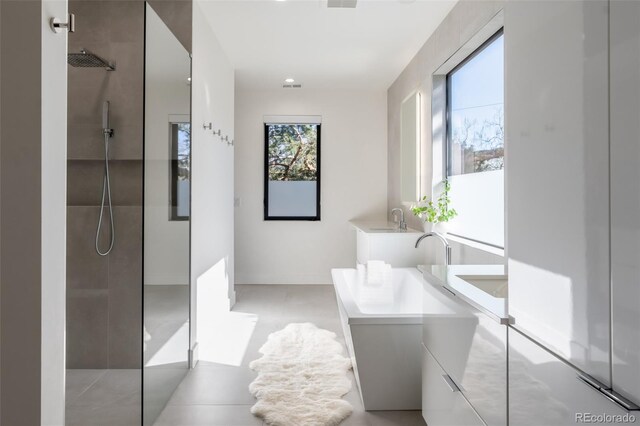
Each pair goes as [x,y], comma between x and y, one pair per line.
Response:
[464,356]
[381,240]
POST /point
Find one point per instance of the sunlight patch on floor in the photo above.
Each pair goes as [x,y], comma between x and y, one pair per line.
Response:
[173,349]
[224,337]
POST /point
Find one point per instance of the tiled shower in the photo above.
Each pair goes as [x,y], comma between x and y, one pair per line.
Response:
[127,329]
[104,293]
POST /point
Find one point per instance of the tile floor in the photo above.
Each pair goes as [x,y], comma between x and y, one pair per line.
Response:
[166,318]
[103,398]
[112,397]
[215,394]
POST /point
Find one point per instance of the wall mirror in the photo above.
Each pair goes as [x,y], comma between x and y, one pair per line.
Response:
[410,148]
[167,171]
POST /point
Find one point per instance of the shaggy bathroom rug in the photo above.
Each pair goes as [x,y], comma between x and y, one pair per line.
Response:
[302,376]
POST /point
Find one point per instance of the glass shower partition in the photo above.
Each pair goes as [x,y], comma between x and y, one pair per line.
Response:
[167,155]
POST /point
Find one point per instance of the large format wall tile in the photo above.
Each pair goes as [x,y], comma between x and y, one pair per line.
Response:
[84,182]
[86,141]
[125,290]
[177,15]
[85,268]
[113,30]
[104,293]
[87,328]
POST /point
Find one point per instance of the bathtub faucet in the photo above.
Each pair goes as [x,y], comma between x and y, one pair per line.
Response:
[402,225]
[443,240]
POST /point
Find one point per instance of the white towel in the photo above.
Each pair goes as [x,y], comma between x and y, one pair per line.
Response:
[375,272]
[377,286]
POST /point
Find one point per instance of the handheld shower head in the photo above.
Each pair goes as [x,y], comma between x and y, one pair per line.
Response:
[107,133]
[105,115]
[105,119]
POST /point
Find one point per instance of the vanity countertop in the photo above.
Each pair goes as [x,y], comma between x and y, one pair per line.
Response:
[381,227]
[450,278]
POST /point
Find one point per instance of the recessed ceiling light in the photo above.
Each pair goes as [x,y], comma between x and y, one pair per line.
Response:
[349,4]
[289,80]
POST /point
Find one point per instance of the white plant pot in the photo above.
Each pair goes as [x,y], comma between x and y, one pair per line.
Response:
[440,228]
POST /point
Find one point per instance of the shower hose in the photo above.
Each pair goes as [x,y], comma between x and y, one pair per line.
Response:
[106,196]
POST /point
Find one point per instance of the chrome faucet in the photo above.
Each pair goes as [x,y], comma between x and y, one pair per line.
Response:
[443,240]
[402,225]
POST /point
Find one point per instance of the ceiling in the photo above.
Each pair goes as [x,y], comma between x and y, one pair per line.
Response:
[367,47]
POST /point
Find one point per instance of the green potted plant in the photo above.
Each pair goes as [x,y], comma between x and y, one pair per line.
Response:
[437,212]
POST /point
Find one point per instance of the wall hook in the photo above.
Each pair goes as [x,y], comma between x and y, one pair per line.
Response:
[57,25]
[207,126]
[217,132]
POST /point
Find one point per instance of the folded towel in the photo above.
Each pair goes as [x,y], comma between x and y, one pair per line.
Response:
[375,272]
[377,284]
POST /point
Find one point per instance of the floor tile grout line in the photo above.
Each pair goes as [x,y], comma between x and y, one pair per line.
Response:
[103,372]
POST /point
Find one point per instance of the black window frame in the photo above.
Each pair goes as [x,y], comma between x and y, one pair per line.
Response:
[267,217]
[174,147]
[448,135]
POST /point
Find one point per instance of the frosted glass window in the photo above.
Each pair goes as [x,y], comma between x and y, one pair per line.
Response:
[292,172]
[475,144]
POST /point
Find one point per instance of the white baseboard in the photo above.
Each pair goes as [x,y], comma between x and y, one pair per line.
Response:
[175,283]
[193,356]
[311,279]
[232,299]
[280,283]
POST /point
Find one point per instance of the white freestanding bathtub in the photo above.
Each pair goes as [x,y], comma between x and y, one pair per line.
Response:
[384,337]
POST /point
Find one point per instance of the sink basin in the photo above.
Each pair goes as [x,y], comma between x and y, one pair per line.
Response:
[493,285]
[482,286]
[380,227]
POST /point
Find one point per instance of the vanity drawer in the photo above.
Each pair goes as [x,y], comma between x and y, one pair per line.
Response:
[442,402]
[544,390]
[472,348]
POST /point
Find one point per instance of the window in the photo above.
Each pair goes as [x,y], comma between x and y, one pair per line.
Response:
[180,166]
[475,111]
[474,141]
[292,171]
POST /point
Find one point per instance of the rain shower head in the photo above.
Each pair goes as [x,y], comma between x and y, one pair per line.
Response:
[85,59]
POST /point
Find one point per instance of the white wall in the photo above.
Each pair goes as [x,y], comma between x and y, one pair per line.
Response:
[54,211]
[353,184]
[212,175]
[166,248]
[461,24]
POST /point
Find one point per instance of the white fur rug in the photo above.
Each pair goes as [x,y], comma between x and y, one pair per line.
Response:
[302,377]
